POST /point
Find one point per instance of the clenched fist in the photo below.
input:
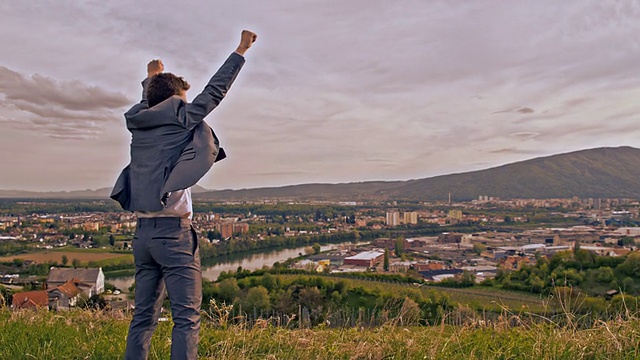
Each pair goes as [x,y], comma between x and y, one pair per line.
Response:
[246,40]
[154,67]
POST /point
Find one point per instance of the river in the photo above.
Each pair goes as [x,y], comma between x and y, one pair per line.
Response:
[211,268]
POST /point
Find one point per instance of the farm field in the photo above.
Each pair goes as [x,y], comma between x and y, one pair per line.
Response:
[100,257]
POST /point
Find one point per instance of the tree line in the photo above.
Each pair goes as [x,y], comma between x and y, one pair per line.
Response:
[316,300]
[593,274]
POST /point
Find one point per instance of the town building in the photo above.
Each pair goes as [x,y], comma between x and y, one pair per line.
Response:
[393,218]
[228,229]
[446,238]
[366,258]
[90,281]
[410,217]
[455,214]
[64,296]
[30,300]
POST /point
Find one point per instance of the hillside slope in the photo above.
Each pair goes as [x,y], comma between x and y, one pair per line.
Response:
[600,172]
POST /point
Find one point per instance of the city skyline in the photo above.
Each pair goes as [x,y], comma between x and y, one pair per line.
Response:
[331,92]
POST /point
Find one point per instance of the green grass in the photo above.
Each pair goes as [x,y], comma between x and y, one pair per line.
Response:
[126,259]
[82,334]
[120,273]
[493,299]
[80,250]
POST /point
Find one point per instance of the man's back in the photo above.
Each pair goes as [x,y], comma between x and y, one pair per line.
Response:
[168,136]
[155,150]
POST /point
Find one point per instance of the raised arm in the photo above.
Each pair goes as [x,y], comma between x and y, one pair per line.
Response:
[154,67]
[193,113]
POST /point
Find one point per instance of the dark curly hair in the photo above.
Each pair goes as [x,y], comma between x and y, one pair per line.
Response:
[163,86]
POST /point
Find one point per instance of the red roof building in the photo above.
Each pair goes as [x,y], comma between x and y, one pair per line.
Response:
[30,299]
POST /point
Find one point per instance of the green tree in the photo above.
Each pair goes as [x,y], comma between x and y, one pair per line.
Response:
[628,284]
[386,260]
[18,262]
[214,234]
[75,263]
[631,265]
[316,248]
[604,275]
[399,246]
[6,295]
[584,257]
[65,260]
[467,278]
[537,284]
[112,240]
[626,241]
[228,290]
[269,281]
[478,248]
[257,298]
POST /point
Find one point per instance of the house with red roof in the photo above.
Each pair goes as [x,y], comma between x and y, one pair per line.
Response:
[64,296]
[90,280]
[61,297]
[30,300]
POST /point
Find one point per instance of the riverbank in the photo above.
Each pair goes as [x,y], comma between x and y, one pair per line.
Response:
[249,260]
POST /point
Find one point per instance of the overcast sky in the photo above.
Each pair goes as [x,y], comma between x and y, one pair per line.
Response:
[332,91]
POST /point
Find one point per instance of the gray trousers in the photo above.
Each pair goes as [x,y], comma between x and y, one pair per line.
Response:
[166,253]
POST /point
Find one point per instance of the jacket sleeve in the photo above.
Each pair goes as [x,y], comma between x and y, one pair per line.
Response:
[145,85]
[193,113]
[121,190]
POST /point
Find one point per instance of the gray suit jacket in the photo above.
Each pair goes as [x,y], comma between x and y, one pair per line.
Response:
[171,145]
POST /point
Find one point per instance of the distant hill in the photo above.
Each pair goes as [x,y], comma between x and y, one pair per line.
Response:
[102,193]
[75,194]
[600,172]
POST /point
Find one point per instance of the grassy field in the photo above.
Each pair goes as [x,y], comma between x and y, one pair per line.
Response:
[101,257]
[83,334]
[494,299]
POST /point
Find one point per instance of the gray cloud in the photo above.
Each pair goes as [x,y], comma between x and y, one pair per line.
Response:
[521,110]
[524,135]
[71,95]
[277,173]
[59,109]
[513,150]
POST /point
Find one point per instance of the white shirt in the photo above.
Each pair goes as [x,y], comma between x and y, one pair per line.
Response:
[179,204]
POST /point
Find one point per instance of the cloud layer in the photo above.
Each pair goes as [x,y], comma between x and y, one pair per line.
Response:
[63,110]
[331,92]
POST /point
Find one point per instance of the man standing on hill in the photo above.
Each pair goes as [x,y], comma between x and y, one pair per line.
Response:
[171,149]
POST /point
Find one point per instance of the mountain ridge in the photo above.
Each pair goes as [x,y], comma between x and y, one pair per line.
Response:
[598,172]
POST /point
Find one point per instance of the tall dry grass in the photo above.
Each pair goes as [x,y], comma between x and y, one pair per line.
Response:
[84,334]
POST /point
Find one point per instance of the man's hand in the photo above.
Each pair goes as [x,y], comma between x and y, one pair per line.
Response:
[246,40]
[154,67]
